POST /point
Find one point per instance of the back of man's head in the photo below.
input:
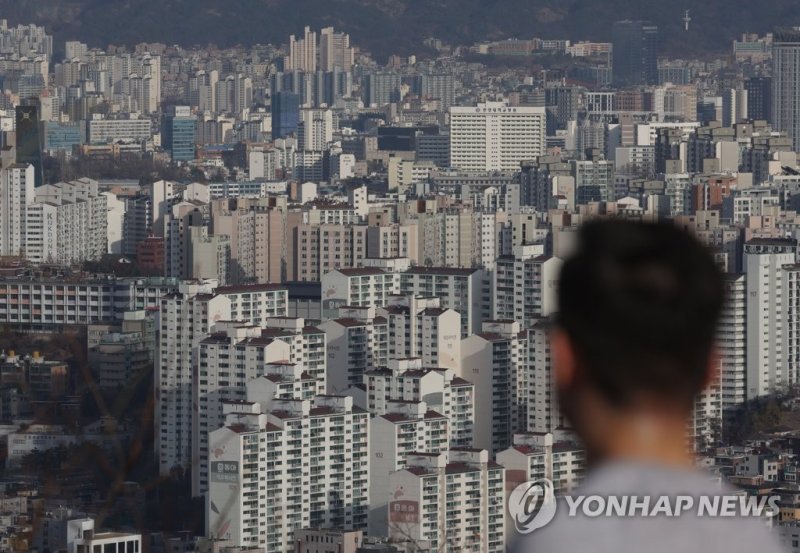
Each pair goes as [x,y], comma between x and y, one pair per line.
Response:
[640,304]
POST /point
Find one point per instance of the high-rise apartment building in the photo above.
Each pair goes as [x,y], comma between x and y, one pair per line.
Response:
[285,114]
[405,429]
[77,301]
[495,136]
[178,133]
[358,287]
[759,98]
[29,140]
[206,256]
[426,492]
[228,360]
[734,106]
[335,50]
[148,68]
[594,180]
[408,380]
[224,95]
[357,343]
[419,327]
[537,455]
[302,52]
[459,289]
[186,317]
[496,360]
[732,342]
[315,129]
[242,93]
[438,86]
[461,237]
[786,83]
[321,249]
[248,221]
[790,313]
[635,46]
[67,223]
[382,88]
[296,464]
[543,411]
[767,349]
[536,276]
[16,192]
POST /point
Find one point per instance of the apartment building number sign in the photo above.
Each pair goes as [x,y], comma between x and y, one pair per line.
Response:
[225,471]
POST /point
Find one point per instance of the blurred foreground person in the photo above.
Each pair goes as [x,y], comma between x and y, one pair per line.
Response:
[632,349]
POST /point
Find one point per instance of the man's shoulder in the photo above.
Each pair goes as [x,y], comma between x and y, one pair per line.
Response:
[687,534]
[627,508]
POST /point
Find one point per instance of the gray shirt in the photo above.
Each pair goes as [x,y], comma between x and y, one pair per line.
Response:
[692,531]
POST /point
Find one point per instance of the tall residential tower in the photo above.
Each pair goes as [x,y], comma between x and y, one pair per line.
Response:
[634,53]
[786,83]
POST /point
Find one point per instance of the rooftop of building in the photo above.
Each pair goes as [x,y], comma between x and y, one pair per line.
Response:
[351,322]
[249,288]
[771,242]
[449,271]
[361,271]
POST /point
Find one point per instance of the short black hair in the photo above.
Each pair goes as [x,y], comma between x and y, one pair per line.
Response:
[640,303]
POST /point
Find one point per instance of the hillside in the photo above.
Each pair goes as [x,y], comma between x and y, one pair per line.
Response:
[393,26]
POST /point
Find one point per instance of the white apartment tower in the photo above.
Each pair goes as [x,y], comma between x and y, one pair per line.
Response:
[786,84]
[307,344]
[256,303]
[16,192]
[457,288]
[151,76]
[407,380]
[536,455]
[303,52]
[419,327]
[496,361]
[732,342]
[357,343]
[358,287]
[66,223]
[335,50]
[315,130]
[185,318]
[242,94]
[495,136]
[705,427]
[228,359]
[453,501]
[459,237]
[790,313]
[407,428]
[767,348]
[300,464]
[525,286]
[544,414]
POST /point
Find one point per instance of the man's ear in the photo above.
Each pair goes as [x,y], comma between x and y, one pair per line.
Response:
[564,360]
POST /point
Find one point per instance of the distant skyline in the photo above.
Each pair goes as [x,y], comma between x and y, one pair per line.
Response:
[393,27]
